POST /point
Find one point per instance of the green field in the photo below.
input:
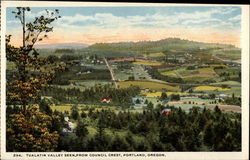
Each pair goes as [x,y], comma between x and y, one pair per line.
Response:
[210,88]
[82,107]
[170,73]
[148,63]
[183,72]
[158,94]
[148,84]
[156,55]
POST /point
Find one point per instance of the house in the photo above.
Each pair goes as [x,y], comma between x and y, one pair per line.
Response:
[166,111]
[145,89]
[66,119]
[105,100]
[70,126]
[221,96]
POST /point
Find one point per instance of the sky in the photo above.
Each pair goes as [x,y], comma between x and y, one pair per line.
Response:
[100,24]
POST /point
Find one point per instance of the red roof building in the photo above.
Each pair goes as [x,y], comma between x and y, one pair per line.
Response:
[166,111]
[106,100]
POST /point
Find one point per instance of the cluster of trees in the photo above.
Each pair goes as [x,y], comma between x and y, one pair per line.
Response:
[157,75]
[63,58]
[64,50]
[234,75]
[233,100]
[197,130]
[74,72]
[94,94]
[172,97]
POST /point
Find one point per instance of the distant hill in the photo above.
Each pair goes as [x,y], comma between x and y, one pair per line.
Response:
[169,44]
[62,46]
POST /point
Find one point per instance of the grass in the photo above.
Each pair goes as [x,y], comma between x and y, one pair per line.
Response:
[156,54]
[158,94]
[184,72]
[201,73]
[61,108]
[89,83]
[210,88]
[170,73]
[148,63]
[67,107]
[191,79]
[122,75]
[148,84]
[206,70]
[230,83]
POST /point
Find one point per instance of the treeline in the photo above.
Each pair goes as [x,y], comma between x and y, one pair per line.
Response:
[64,50]
[64,78]
[92,94]
[76,72]
[64,58]
[233,75]
[197,130]
[157,75]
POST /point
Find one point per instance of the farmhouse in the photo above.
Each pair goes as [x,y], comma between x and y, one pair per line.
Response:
[106,100]
[166,111]
[222,96]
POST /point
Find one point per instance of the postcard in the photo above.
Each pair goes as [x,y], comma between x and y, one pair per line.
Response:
[95,80]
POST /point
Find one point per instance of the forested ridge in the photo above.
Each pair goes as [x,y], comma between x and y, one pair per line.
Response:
[156,46]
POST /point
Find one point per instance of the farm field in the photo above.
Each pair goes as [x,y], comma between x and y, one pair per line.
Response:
[200,73]
[228,108]
[139,73]
[148,63]
[230,83]
[156,55]
[89,83]
[158,94]
[170,73]
[210,88]
[148,84]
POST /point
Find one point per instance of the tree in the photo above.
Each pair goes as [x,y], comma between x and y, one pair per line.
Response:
[44,107]
[175,97]
[119,144]
[164,96]
[52,58]
[23,87]
[30,132]
[137,101]
[30,129]
[74,112]
[81,130]
[150,106]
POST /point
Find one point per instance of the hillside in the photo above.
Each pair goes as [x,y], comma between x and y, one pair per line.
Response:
[62,46]
[169,44]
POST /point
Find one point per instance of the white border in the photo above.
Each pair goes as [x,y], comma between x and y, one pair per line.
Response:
[243,155]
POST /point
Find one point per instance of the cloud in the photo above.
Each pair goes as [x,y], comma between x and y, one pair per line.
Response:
[157,20]
[236,18]
[107,27]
